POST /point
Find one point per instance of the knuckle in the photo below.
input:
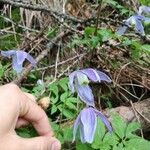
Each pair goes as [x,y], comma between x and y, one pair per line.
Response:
[12,87]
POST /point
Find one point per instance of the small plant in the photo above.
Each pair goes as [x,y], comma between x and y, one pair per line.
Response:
[93,39]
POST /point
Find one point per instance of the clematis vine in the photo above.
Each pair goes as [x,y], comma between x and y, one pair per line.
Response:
[135,21]
[87,122]
[18,57]
[79,80]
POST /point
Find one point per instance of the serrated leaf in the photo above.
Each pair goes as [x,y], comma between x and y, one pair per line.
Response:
[53,109]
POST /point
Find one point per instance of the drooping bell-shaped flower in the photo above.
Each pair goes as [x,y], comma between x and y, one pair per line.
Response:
[87,122]
[18,57]
[144,10]
[79,80]
[135,21]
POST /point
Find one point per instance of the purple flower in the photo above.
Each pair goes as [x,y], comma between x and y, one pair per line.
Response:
[18,57]
[144,9]
[135,21]
[79,80]
[87,122]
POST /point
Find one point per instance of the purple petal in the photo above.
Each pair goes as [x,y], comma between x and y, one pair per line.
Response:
[91,74]
[31,60]
[89,122]
[121,30]
[71,81]
[104,120]
[82,136]
[138,17]
[85,93]
[139,27]
[75,127]
[21,56]
[144,9]
[103,76]
[17,67]
[8,53]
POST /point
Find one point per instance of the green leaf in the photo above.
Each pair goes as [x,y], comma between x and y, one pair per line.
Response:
[111,139]
[63,83]
[80,146]
[72,100]
[137,144]
[2,70]
[104,34]
[68,113]
[67,132]
[54,100]
[126,41]
[51,33]
[132,127]
[53,109]
[89,31]
[105,147]
[64,96]
[146,48]
[99,134]
[94,41]
[55,126]
[53,88]
[119,126]
[71,105]
[24,132]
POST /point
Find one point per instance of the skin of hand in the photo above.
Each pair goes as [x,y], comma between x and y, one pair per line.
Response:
[17,109]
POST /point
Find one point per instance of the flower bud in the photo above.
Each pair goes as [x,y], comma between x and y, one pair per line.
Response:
[44,102]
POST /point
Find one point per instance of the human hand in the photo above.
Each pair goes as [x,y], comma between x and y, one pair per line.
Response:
[16,108]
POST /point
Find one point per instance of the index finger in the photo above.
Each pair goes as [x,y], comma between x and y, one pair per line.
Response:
[31,112]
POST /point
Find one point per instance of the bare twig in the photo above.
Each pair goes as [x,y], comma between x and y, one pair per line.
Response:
[38,7]
[97,20]
[61,63]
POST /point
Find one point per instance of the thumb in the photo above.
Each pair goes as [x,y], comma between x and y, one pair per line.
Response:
[40,143]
